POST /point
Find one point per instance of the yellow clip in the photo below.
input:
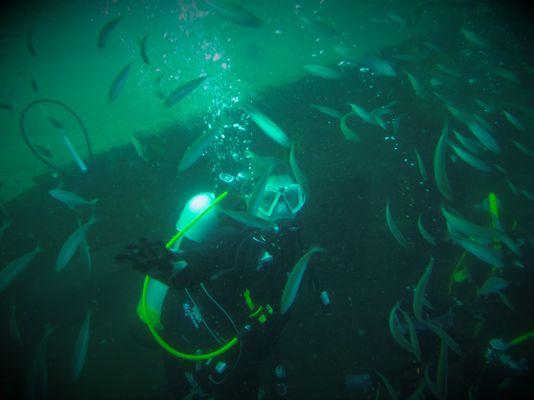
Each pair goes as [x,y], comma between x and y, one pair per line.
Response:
[248,300]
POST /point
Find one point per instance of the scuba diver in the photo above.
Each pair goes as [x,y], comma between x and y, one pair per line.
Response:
[216,287]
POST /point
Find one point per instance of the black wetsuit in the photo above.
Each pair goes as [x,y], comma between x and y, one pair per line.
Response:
[221,268]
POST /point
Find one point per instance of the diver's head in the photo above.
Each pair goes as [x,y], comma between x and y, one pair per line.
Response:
[282,198]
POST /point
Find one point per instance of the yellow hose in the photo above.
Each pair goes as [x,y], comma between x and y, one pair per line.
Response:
[167,347]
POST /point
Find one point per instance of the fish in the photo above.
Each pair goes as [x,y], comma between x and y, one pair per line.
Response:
[16,267]
[268,126]
[55,123]
[80,348]
[396,18]
[183,90]
[392,393]
[249,220]
[142,49]
[397,234]
[421,166]
[139,148]
[424,233]
[14,330]
[5,226]
[71,245]
[442,374]
[505,301]
[346,131]
[37,382]
[492,285]
[514,121]
[363,114]
[262,163]
[527,194]
[319,26]
[458,224]
[469,144]
[484,136]
[523,148]
[470,159]
[414,340]
[196,150]
[394,328]
[349,54]
[85,251]
[440,171]
[289,294]
[29,41]
[449,71]
[118,83]
[419,292]
[301,179]
[42,150]
[506,75]
[380,67]
[327,110]
[105,32]
[440,332]
[483,253]
[7,107]
[233,13]
[34,85]
[415,85]
[72,200]
[323,72]
[474,39]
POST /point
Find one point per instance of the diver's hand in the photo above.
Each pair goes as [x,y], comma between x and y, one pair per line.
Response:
[148,257]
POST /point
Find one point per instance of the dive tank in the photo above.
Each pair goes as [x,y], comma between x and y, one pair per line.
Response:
[156,290]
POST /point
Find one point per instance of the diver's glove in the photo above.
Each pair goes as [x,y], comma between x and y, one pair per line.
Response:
[150,258]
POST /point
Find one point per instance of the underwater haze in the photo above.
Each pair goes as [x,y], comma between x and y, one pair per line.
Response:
[409,123]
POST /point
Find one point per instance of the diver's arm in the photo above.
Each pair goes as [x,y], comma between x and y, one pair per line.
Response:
[189,267]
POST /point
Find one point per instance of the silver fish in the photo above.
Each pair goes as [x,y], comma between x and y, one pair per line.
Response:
[380,67]
[397,234]
[37,383]
[415,85]
[421,166]
[424,233]
[484,254]
[268,126]
[71,245]
[289,294]
[118,83]
[327,110]
[71,199]
[470,159]
[85,251]
[484,136]
[347,132]
[232,12]
[440,172]
[363,114]
[196,150]
[323,72]
[16,267]
[419,292]
[142,49]
[80,349]
[298,173]
[514,121]
[469,144]
[492,285]
[183,90]
[105,32]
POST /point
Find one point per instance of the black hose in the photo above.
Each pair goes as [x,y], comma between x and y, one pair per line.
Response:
[30,145]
